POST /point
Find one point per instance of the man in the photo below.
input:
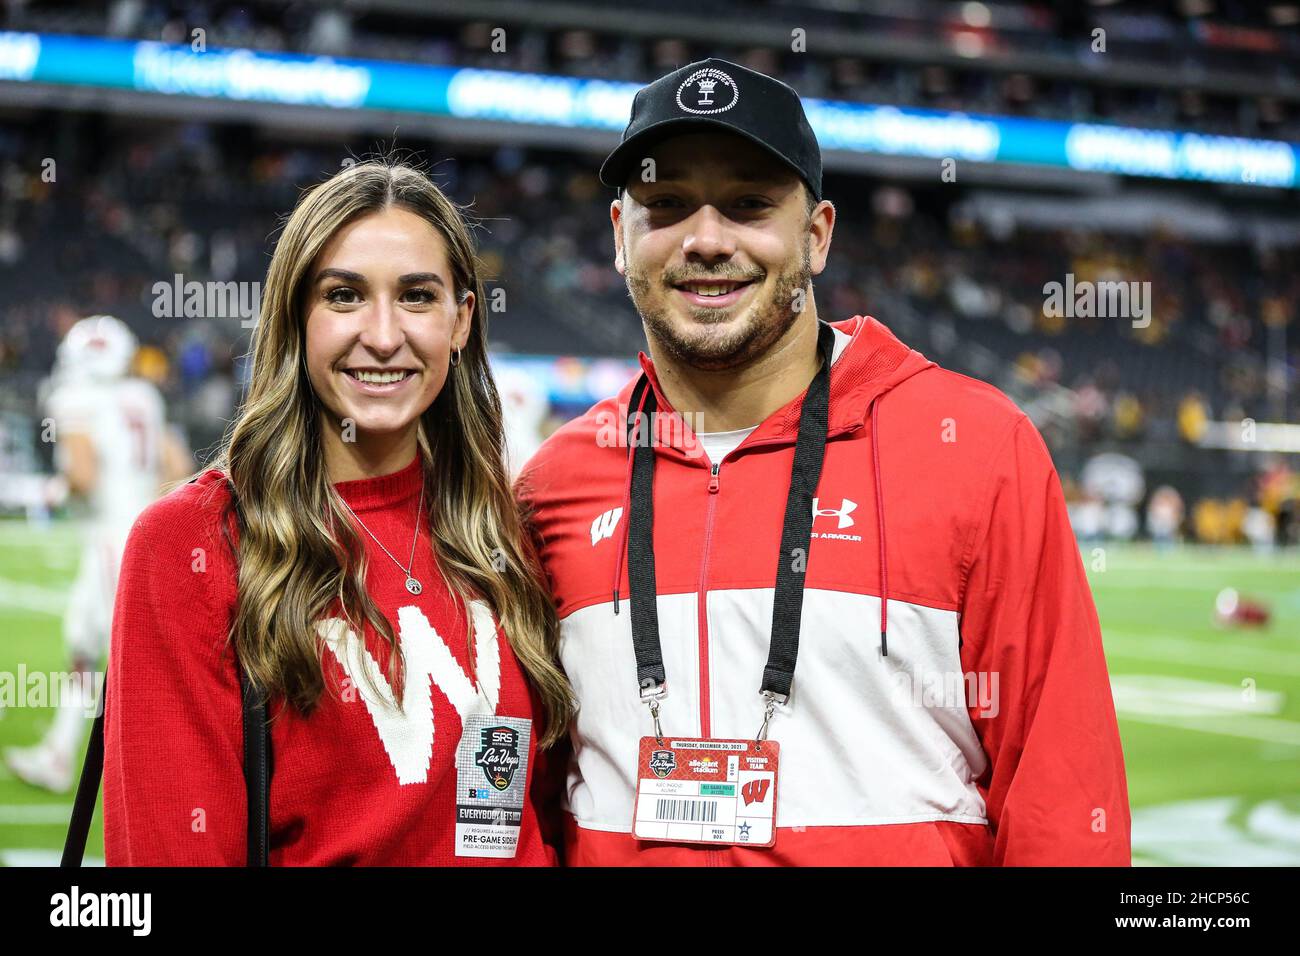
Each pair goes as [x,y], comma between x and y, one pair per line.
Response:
[745,660]
[113,452]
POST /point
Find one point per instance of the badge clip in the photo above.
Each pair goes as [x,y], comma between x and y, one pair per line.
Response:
[652,693]
[769,709]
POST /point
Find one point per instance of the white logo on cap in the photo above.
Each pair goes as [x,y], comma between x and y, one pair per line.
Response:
[706,85]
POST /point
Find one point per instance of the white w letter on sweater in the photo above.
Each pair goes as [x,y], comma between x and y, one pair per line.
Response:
[407,733]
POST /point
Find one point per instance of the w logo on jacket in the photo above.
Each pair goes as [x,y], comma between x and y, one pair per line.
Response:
[604,525]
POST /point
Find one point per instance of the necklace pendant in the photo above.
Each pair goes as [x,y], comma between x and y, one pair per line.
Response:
[414,586]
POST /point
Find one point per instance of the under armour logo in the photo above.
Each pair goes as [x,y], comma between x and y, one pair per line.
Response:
[755,791]
[604,525]
[843,513]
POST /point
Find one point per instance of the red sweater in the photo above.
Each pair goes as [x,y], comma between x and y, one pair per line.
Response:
[353,783]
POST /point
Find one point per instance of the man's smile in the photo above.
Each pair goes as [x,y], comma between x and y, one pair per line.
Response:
[713,293]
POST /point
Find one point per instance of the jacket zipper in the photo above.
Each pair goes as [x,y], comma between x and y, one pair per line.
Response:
[712,855]
[702,600]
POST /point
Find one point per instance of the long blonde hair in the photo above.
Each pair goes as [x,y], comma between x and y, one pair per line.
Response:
[298,552]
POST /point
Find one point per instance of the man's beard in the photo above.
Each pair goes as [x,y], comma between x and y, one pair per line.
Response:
[698,346]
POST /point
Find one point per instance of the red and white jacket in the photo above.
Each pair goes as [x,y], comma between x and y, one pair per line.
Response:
[986,735]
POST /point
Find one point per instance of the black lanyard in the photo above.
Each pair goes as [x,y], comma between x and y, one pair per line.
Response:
[796,533]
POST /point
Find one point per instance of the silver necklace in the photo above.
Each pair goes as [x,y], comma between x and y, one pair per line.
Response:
[412,585]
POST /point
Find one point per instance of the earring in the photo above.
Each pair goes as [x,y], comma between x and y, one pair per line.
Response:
[455,358]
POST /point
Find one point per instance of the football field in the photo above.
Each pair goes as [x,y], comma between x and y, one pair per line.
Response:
[1210,717]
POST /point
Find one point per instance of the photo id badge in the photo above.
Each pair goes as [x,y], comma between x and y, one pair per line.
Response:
[706,791]
[491,773]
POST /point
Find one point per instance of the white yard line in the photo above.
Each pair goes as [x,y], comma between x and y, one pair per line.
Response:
[1116,580]
[32,597]
[1204,707]
[1267,729]
[40,858]
[1198,653]
[1209,832]
[34,814]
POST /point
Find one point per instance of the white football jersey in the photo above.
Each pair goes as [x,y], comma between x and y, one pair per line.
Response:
[125,420]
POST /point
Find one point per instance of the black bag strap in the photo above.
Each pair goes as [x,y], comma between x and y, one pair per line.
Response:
[257,772]
[83,805]
[257,779]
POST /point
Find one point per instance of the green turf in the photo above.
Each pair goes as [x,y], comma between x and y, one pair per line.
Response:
[44,561]
[1216,782]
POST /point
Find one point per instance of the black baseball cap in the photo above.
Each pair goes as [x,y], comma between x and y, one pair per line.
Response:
[718,95]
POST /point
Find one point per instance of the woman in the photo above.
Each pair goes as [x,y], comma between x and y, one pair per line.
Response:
[357,553]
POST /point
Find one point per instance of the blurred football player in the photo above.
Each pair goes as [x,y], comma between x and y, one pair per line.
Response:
[113,453]
[524,407]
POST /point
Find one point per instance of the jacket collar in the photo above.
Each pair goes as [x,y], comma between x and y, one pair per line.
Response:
[871,363]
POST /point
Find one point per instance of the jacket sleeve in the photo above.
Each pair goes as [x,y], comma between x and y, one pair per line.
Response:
[1055,788]
[173,745]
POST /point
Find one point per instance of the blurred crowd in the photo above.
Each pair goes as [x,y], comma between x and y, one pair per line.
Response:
[1049,60]
[134,204]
